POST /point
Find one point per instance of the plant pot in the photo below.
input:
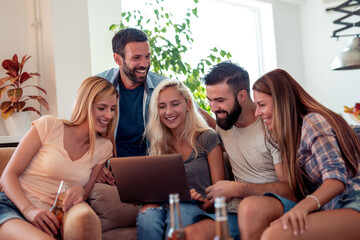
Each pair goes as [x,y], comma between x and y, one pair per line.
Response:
[18,123]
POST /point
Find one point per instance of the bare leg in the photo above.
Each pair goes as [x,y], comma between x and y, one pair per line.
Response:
[81,223]
[203,230]
[333,224]
[256,213]
[21,229]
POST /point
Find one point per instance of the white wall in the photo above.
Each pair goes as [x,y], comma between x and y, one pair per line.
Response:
[332,88]
[305,49]
[70,27]
[101,16]
[81,41]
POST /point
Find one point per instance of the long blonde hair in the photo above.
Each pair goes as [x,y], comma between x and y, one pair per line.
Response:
[291,104]
[93,90]
[160,137]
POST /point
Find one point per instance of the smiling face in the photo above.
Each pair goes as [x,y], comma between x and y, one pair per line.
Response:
[136,62]
[264,107]
[172,109]
[224,104]
[103,112]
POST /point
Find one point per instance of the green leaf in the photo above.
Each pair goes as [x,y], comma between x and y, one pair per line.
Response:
[170,42]
[194,11]
[113,27]
[222,53]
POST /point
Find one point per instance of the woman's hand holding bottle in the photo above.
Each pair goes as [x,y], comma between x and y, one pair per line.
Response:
[42,219]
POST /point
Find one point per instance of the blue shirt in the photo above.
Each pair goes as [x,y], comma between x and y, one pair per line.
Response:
[129,140]
[152,80]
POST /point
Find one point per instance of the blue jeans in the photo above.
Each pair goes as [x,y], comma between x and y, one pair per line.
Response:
[154,223]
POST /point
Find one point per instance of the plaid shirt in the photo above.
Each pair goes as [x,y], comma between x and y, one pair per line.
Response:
[320,157]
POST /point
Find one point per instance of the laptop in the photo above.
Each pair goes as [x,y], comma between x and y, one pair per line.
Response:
[150,179]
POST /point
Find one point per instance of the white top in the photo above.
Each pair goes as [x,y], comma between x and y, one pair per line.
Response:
[252,158]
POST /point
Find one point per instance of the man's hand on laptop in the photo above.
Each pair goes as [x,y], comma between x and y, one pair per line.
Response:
[106,177]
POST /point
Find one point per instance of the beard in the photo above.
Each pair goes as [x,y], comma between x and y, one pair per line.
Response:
[227,122]
[130,73]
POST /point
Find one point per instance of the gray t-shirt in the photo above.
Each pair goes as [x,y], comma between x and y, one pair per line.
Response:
[197,169]
[252,157]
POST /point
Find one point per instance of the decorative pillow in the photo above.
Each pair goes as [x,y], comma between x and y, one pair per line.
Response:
[81,223]
[105,201]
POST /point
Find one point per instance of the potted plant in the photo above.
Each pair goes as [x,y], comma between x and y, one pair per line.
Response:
[15,79]
[13,86]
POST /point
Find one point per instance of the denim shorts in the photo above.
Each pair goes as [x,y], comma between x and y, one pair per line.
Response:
[8,210]
[287,204]
[350,200]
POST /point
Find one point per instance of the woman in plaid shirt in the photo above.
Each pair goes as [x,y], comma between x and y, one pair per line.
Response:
[320,152]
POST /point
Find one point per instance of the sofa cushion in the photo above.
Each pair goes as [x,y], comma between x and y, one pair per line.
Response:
[127,233]
[105,201]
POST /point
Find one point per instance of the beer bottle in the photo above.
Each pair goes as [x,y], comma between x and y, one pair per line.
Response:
[56,209]
[222,228]
[176,231]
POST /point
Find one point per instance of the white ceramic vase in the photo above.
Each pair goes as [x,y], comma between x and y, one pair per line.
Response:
[18,123]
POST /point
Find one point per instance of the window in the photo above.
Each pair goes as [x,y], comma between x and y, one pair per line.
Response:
[244,28]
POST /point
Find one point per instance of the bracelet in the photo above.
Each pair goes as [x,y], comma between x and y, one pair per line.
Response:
[316,199]
[28,209]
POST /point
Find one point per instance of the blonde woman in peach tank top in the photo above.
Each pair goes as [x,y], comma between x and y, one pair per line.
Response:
[52,150]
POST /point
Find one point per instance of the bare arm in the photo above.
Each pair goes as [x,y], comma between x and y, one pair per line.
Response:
[94,174]
[217,171]
[297,216]
[209,119]
[24,153]
[234,189]
[77,194]
[216,164]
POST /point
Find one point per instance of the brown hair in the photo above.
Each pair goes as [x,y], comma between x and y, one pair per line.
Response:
[291,104]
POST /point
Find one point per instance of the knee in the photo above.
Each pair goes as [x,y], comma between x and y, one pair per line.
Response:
[249,209]
[205,229]
[81,222]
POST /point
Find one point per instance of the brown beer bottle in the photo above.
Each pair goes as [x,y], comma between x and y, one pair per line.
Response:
[222,228]
[56,209]
[176,231]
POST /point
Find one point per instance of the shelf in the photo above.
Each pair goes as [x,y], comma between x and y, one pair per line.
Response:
[9,141]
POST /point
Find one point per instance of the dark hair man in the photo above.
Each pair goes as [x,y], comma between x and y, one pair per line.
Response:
[255,162]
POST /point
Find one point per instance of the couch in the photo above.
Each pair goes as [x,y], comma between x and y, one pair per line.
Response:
[118,220]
